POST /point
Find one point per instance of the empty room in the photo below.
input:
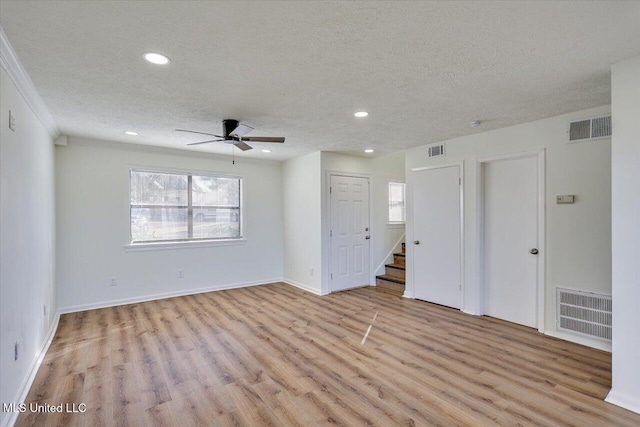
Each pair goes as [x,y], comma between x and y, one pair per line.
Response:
[300,213]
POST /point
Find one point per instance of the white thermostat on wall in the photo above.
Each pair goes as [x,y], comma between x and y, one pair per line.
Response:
[565,199]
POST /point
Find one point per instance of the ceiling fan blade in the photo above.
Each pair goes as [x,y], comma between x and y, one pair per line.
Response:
[201,133]
[264,139]
[241,145]
[241,130]
[205,142]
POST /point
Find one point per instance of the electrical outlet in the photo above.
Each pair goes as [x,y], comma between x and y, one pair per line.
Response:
[16,350]
[113,281]
[311,272]
[180,274]
[12,121]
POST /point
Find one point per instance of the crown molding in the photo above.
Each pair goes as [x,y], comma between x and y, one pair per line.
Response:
[18,75]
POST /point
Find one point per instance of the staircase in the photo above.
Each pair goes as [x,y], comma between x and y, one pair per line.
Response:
[393,280]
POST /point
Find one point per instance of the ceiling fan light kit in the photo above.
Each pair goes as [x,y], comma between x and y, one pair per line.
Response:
[233,132]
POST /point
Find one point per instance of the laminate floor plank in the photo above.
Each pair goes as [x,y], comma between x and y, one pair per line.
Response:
[276,355]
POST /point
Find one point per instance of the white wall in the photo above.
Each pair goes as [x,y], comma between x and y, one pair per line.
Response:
[92,219]
[578,236]
[27,227]
[383,236]
[302,221]
[625,106]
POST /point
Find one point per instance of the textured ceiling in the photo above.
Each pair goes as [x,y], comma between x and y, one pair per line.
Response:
[423,70]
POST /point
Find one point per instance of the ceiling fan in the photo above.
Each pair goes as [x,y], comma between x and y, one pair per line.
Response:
[234,133]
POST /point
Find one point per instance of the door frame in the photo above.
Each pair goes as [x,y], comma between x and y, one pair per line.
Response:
[460,165]
[330,174]
[539,155]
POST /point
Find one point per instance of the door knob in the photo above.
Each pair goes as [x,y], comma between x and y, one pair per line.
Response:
[367,237]
[416,242]
[533,251]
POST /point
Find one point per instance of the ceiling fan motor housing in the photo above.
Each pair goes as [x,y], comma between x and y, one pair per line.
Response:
[228,126]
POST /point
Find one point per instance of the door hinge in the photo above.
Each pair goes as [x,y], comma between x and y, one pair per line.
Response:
[459,181]
[331,276]
[330,190]
[330,233]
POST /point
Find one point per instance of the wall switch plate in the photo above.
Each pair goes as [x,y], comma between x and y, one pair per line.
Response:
[12,121]
[565,199]
[311,272]
[180,274]
[113,281]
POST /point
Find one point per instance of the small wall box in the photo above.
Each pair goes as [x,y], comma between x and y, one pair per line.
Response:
[566,199]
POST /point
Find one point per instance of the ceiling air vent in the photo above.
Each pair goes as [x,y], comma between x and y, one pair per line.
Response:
[590,129]
[436,150]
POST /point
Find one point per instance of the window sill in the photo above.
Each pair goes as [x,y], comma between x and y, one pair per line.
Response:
[135,247]
[395,225]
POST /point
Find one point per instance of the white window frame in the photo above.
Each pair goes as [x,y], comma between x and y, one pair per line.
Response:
[397,223]
[179,244]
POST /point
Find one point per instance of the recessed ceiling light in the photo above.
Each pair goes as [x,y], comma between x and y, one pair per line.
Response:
[131,133]
[266,151]
[475,123]
[361,114]
[156,58]
[368,150]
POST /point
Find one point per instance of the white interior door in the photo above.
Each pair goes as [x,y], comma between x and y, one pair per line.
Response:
[510,235]
[349,232]
[437,230]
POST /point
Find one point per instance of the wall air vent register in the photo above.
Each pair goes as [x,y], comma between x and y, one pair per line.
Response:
[590,129]
[435,150]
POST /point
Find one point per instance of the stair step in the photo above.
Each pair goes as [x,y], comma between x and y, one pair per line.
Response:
[395,270]
[399,259]
[400,254]
[393,279]
[390,284]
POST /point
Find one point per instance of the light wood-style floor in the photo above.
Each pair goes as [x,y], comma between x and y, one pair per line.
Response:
[275,355]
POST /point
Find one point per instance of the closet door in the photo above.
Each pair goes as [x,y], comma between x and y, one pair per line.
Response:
[437,232]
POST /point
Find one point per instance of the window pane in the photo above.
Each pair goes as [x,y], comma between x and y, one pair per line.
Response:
[216,223]
[216,191]
[216,207]
[157,224]
[396,202]
[158,189]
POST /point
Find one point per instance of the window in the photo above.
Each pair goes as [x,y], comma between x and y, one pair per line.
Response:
[396,202]
[177,207]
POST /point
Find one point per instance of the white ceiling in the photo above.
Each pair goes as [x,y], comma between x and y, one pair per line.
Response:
[423,70]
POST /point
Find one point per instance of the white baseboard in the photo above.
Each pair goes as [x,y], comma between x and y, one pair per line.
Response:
[467,311]
[624,401]
[589,342]
[304,287]
[135,300]
[408,295]
[23,391]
